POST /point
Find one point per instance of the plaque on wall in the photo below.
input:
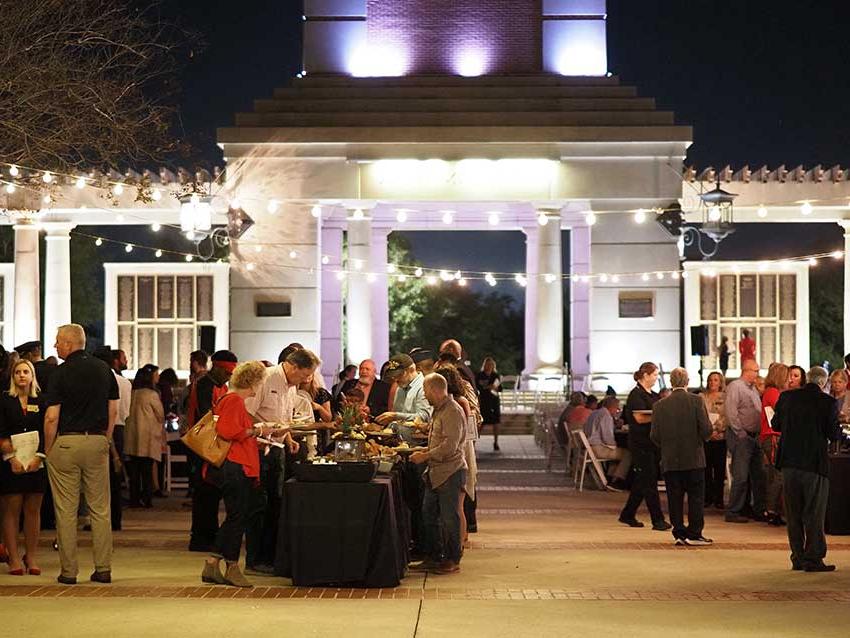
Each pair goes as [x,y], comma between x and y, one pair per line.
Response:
[787,297]
[708,298]
[185,297]
[636,305]
[749,307]
[205,299]
[165,297]
[145,297]
[126,298]
[145,346]
[767,296]
[165,348]
[728,296]
[125,343]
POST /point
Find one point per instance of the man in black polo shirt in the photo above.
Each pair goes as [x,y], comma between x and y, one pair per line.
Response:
[82,405]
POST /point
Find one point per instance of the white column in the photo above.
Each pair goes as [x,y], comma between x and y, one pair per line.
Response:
[380,296]
[532,241]
[331,302]
[549,302]
[57,281]
[27,294]
[580,237]
[846,226]
[359,298]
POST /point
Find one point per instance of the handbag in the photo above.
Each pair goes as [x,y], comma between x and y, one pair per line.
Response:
[203,439]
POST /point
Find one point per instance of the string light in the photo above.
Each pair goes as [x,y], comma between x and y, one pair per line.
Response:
[644,277]
[549,278]
[128,248]
[640,215]
[80,182]
[45,199]
[10,188]
[326,260]
[155,227]
[674,275]
[98,242]
[685,275]
[458,275]
[358,264]
[402,278]
[493,219]
[340,275]
[445,275]
[659,275]
[250,266]
[47,177]
[448,217]
[13,171]
[461,282]
[806,209]
[316,211]
[761,211]
[190,235]
[258,248]
[418,272]
[293,254]
[156,194]
[431,280]
[391,268]
[603,278]
[542,219]
[812,261]
[358,214]
[837,254]
[188,257]
[590,218]
[401,216]
[615,279]
[371,277]
[158,254]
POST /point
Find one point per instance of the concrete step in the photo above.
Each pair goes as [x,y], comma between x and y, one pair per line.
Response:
[516,424]
[464,91]
[433,105]
[540,79]
[579,118]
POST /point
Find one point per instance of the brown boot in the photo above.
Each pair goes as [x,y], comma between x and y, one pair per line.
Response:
[234,576]
[212,574]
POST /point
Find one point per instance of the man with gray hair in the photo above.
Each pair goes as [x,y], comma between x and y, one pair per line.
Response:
[807,420]
[680,427]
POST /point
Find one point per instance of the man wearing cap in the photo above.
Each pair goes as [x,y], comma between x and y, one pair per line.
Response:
[31,351]
[424,360]
[410,401]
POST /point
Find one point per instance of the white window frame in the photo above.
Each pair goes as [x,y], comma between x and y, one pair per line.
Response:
[221,298]
[7,319]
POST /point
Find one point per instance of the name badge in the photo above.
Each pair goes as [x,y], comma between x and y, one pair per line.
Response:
[32,408]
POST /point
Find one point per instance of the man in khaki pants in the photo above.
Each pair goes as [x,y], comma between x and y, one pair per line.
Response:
[82,402]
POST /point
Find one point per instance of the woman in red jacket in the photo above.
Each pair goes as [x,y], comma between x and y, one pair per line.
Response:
[775,383]
[239,477]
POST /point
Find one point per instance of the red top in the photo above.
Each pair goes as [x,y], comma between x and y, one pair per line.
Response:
[234,424]
[768,400]
[747,348]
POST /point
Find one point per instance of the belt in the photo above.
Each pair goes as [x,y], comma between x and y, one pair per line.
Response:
[84,433]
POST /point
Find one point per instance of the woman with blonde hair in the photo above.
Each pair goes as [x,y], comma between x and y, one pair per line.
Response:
[714,397]
[22,480]
[239,476]
[775,383]
[838,389]
[489,384]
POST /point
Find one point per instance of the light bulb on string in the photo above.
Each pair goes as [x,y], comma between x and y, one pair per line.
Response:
[402,278]
[431,280]
[326,260]
[645,277]
[340,275]
[250,266]
[358,264]
[674,275]
[401,216]
[549,278]
[158,254]
[118,189]
[448,217]
[493,219]
[128,248]
[13,171]
[458,275]
[806,209]
[10,188]
[542,219]
[155,227]
[590,218]
[316,211]
[190,235]
[492,282]
[812,261]
[461,282]
[98,242]
[293,254]
[837,254]
[371,277]
[603,278]
[685,274]
[47,177]
[615,278]
[391,268]
[156,194]
[80,182]
[188,257]
[418,272]
[640,216]
[761,211]
[659,275]
[445,275]
[258,248]
[45,200]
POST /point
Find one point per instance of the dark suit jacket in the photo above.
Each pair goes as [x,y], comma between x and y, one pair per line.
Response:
[379,396]
[680,427]
[807,419]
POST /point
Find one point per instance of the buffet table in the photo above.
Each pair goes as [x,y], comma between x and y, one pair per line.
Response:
[838,505]
[355,534]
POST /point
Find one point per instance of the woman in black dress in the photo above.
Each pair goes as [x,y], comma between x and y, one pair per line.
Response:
[644,452]
[489,384]
[723,353]
[22,484]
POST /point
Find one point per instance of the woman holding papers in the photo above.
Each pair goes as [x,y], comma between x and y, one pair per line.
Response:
[22,475]
[775,383]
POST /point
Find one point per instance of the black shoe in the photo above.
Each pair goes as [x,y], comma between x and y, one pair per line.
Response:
[496,447]
[776,520]
[797,567]
[259,570]
[66,580]
[736,518]
[201,547]
[633,522]
[700,541]
[681,542]
[101,577]
[719,506]
[818,567]
[663,526]
[619,484]
[761,518]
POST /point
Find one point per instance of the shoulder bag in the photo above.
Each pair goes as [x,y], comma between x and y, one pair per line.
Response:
[203,439]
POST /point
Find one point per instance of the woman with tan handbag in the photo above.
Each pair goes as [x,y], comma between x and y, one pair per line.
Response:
[239,475]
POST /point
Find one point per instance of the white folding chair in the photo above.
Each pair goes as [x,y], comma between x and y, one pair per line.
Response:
[589,458]
[174,482]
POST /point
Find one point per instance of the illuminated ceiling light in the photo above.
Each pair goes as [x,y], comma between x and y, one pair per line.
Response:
[45,199]
[461,282]
[190,235]
[402,278]
[293,254]
[401,216]
[13,171]
[10,188]
[493,219]
[445,275]
[118,189]
[761,211]
[128,248]
[674,275]
[340,275]
[188,257]
[326,260]
[590,218]
[644,277]
[458,275]
[448,217]
[659,275]
[249,266]
[158,254]
[685,275]
[837,254]
[47,177]
[391,268]
[98,242]
[603,278]
[418,272]
[812,261]
[806,208]
[358,214]
[316,211]
[81,183]
[358,264]
[549,278]
[615,278]
[431,280]
[542,219]
[273,206]
[155,227]
[640,216]
[714,214]
[492,282]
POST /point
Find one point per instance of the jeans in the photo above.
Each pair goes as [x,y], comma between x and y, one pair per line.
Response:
[715,471]
[773,477]
[691,483]
[644,486]
[441,519]
[806,495]
[244,501]
[141,480]
[261,537]
[205,500]
[747,466]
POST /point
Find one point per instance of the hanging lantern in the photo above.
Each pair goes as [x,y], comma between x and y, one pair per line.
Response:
[195,213]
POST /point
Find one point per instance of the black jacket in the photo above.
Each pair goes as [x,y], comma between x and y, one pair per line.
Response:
[807,419]
[379,396]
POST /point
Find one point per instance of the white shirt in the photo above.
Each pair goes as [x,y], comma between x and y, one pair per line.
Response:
[275,399]
[125,389]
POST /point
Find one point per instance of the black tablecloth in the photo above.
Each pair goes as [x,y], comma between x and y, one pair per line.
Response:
[838,506]
[343,533]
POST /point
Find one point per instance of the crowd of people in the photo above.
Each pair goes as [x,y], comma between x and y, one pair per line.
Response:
[775,431]
[98,431]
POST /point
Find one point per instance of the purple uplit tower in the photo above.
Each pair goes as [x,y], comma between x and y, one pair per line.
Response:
[367,38]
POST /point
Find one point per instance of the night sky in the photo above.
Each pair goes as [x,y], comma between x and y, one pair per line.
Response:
[761,82]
